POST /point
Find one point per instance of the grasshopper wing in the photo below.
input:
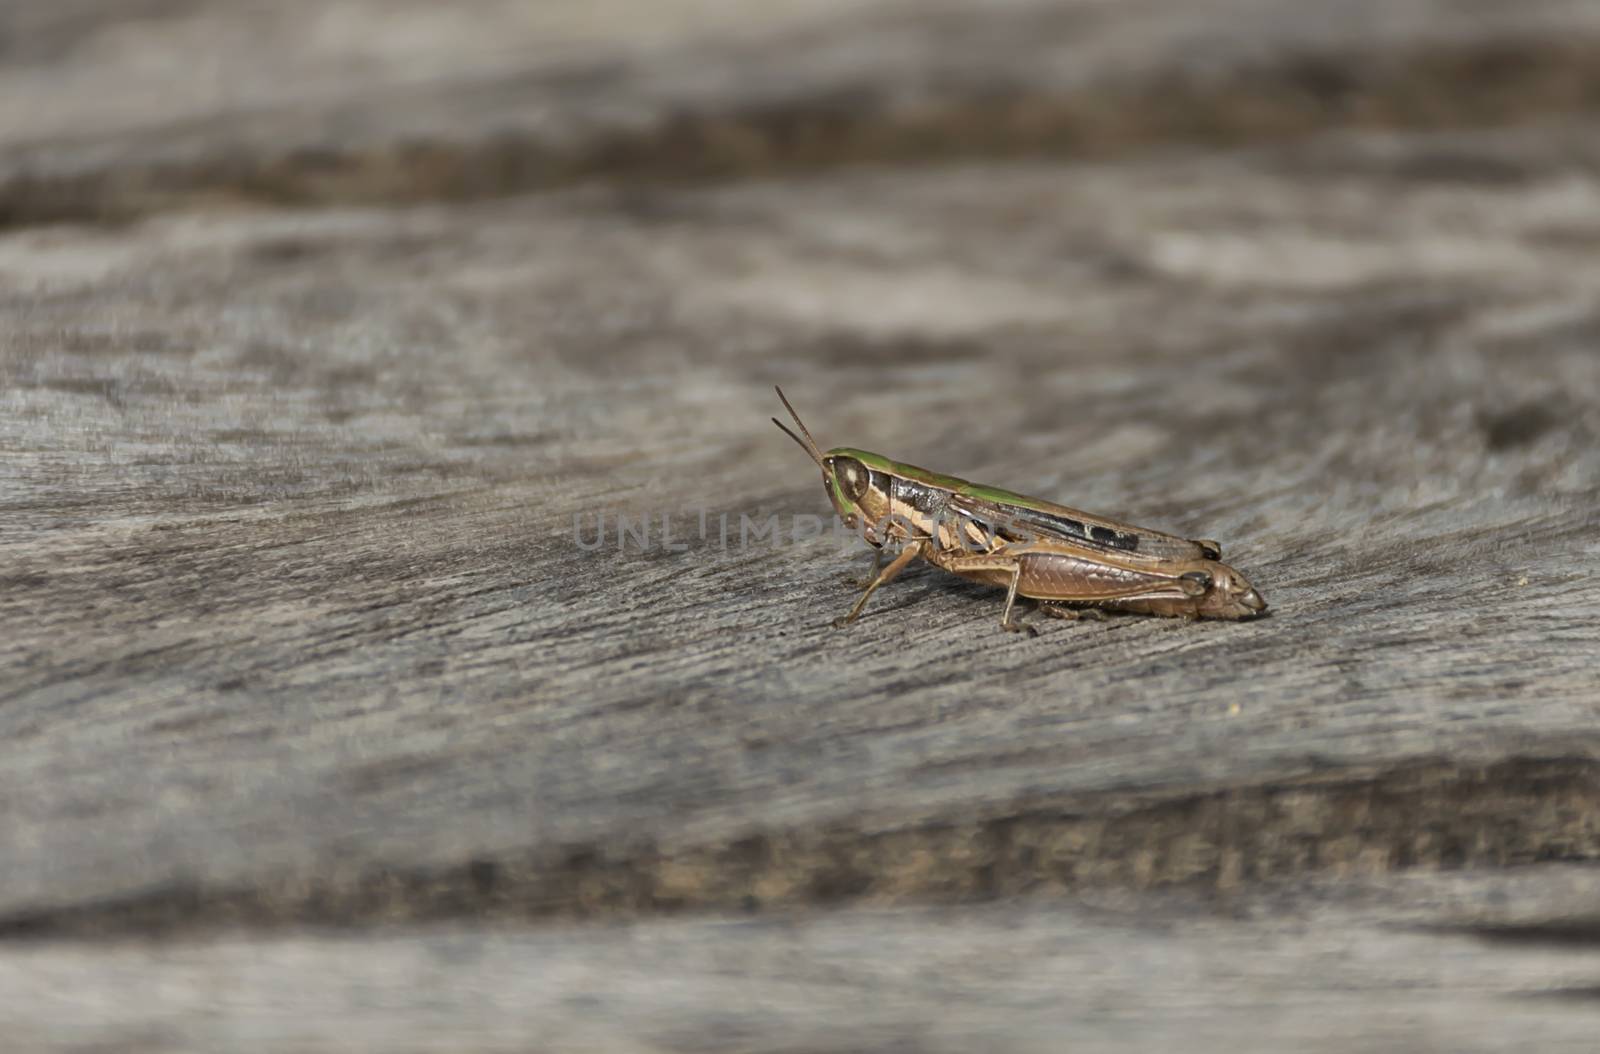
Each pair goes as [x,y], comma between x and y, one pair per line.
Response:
[1019,517]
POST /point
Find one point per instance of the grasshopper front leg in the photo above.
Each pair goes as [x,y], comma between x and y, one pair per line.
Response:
[898,564]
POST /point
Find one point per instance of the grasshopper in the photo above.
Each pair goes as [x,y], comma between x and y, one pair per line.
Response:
[1072,562]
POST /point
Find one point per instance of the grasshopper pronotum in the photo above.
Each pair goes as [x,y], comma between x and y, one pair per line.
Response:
[1066,559]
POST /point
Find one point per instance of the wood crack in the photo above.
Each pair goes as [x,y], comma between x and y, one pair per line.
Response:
[1497,81]
[1429,815]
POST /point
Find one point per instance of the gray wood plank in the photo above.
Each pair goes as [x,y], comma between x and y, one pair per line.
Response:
[320,730]
[1464,962]
[378,100]
[296,612]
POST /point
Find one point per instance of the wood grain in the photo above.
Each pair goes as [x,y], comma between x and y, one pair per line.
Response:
[301,627]
[314,552]
[1458,962]
[402,101]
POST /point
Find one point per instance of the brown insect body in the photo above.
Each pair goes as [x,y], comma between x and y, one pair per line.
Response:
[1052,553]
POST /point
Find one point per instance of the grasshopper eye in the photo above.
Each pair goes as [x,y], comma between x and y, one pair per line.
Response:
[853,477]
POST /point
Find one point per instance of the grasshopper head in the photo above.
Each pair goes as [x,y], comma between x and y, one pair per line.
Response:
[847,480]
[850,489]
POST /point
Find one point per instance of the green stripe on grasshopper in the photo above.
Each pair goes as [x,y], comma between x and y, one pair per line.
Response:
[903,470]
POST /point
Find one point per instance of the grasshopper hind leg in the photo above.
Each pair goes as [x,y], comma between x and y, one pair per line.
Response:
[988,567]
[1073,614]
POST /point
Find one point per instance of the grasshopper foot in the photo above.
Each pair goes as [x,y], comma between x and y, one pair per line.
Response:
[1020,627]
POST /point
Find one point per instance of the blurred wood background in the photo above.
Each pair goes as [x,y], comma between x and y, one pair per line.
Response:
[324,327]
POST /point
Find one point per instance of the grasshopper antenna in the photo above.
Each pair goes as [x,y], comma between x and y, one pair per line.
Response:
[809,445]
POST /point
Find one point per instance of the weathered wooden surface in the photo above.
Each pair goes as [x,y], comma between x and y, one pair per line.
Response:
[405,100]
[1458,963]
[297,629]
